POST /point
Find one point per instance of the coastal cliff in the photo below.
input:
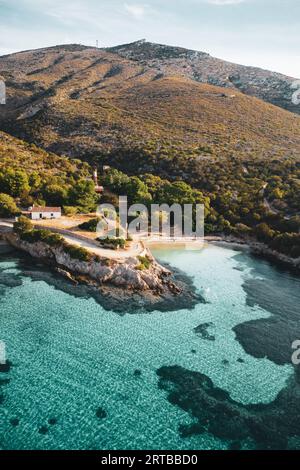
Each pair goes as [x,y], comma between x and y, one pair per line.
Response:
[120,273]
[124,285]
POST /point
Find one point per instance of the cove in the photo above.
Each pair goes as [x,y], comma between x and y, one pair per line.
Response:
[70,357]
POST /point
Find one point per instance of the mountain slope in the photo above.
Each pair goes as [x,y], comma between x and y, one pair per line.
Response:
[89,103]
[269,86]
[16,154]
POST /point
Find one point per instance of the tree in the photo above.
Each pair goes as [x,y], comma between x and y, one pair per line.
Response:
[8,207]
[264,233]
[83,195]
[137,191]
[35,180]
[14,182]
[55,195]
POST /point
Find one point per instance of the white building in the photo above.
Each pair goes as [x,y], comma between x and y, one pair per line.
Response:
[39,213]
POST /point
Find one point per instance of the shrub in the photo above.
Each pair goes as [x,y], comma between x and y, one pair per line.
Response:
[8,206]
[264,233]
[112,243]
[90,225]
[70,210]
[45,236]
[242,229]
[145,262]
[287,243]
[77,252]
[23,224]
[52,239]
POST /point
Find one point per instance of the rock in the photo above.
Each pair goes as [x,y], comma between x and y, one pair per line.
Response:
[43,430]
[15,422]
[5,367]
[101,413]
[66,275]
[52,421]
[120,273]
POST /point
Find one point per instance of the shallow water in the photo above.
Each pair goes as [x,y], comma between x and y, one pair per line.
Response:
[71,357]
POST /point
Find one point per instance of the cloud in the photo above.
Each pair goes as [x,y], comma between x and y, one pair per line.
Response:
[137,11]
[225,2]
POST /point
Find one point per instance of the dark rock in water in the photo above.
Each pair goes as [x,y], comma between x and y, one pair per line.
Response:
[193,351]
[276,291]
[137,373]
[101,413]
[240,360]
[268,426]
[10,279]
[191,430]
[52,421]
[4,382]
[201,330]
[5,367]
[236,445]
[43,430]
[15,422]
[225,362]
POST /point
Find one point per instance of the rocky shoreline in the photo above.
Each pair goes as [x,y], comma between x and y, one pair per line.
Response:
[259,249]
[116,284]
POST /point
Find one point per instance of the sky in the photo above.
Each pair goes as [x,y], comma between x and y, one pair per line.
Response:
[263,33]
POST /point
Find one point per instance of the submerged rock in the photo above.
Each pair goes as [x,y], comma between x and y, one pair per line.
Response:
[201,330]
[43,430]
[52,421]
[101,413]
[268,426]
[5,367]
[15,422]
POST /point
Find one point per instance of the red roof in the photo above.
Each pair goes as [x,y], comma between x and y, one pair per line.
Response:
[45,209]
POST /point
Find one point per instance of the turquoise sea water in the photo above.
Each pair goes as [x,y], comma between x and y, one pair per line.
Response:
[70,357]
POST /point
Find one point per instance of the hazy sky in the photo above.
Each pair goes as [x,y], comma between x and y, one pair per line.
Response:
[251,32]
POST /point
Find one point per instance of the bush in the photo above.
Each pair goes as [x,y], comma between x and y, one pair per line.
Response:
[45,236]
[145,263]
[23,224]
[112,243]
[264,233]
[90,225]
[77,252]
[8,206]
[242,229]
[70,210]
[287,243]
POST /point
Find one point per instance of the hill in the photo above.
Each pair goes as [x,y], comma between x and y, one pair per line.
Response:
[201,67]
[139,109]
[93,103]
[31,175]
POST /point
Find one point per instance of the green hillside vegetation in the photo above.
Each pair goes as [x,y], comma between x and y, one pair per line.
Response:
[233,193]
[30,175]
[144,111]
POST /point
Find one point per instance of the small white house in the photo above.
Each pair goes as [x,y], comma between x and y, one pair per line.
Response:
[39,213]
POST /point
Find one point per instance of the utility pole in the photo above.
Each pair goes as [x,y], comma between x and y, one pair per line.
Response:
[97,44]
